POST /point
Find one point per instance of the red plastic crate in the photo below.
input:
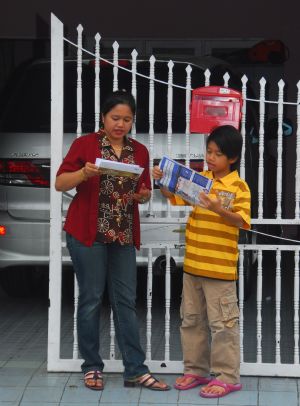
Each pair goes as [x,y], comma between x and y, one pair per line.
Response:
[213,106]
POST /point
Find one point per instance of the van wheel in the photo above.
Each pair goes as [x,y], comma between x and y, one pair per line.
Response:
[159,280]
[159,265]
[24,281]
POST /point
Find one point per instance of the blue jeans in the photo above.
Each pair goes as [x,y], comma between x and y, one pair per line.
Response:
[113,265]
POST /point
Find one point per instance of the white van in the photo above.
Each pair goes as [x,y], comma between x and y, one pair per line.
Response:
[25,158]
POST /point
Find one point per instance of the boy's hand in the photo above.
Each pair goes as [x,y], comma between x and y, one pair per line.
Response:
[210,203]
[215,205]
[157,173]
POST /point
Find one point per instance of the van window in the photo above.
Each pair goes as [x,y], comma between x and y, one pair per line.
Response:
[28,109]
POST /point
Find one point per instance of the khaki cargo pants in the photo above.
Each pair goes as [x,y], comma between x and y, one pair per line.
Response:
[210,329]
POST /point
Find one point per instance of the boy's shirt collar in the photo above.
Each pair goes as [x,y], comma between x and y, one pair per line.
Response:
[226,180]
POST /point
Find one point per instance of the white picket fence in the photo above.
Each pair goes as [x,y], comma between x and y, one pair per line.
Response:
[159,220]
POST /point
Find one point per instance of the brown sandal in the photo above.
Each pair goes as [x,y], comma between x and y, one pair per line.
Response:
[93,380]
[147,381]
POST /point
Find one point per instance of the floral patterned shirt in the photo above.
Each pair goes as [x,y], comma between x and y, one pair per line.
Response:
[115,213]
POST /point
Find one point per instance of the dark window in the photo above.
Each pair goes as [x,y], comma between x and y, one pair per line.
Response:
[27,109]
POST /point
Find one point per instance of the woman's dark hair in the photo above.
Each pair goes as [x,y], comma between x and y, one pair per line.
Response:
[230,142]
[118,97]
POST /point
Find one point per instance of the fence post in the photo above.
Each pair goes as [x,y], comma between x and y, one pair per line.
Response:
[262,101]
[97,81]
[279,150]
[188,91]
[54,317]
[243,126]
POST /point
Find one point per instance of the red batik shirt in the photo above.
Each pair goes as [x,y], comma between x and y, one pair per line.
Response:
[82,216]
[115,215]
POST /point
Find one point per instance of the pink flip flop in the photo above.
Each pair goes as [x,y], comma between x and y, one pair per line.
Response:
[229,387]
[198,380]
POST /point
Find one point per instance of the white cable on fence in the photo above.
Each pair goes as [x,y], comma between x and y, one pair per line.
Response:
[164,82]
[126,69]
[275,102]
[274,236]
[161,228]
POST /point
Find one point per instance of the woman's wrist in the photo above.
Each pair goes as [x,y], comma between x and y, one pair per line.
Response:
[145,199]
[83,174]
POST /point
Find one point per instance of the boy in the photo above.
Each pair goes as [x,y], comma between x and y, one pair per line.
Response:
[209,301]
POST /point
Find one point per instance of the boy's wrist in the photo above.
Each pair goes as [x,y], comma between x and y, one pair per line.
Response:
[165,191]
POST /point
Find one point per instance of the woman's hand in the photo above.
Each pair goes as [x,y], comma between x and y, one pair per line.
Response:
[143,194]
[68,180]
[89,170]
[157,173]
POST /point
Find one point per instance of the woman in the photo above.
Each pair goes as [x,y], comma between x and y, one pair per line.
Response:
[103,230]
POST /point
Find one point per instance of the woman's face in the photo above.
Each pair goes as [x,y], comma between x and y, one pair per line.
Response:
[117,122]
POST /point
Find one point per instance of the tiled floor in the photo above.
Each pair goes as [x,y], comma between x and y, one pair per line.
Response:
[24,380]
[27,383]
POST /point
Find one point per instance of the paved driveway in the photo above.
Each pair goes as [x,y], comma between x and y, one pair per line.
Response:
[23,352]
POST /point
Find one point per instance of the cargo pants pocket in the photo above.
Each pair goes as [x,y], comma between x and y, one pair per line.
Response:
[229,310]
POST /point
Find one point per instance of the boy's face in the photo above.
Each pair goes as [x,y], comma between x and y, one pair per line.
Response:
[217,162]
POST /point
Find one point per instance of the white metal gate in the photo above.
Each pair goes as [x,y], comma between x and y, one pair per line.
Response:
[158,230]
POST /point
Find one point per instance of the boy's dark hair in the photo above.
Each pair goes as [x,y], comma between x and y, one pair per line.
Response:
[118,97]
[230,142]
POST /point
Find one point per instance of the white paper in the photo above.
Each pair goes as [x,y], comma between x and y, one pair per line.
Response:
[118,168]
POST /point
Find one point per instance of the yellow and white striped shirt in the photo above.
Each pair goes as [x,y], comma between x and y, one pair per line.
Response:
[211,242]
